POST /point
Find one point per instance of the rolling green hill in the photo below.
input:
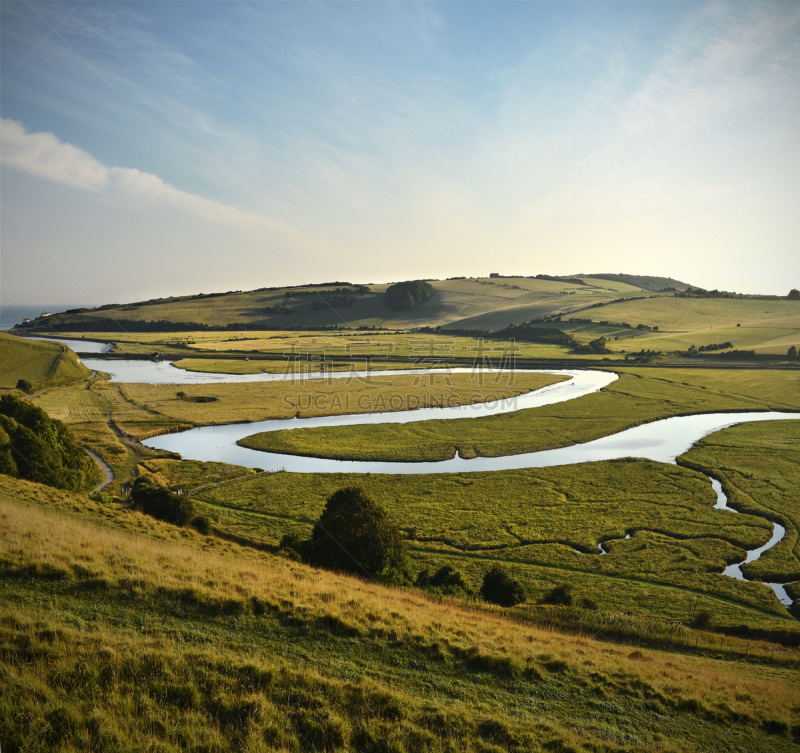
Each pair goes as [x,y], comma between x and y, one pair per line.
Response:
[41,363]
[480,302]
[585,307]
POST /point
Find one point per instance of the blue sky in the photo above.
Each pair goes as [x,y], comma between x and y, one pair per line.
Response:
[157,148]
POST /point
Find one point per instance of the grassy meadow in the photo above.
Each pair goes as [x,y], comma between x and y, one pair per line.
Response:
[638,396]
[41,363]
[124,633]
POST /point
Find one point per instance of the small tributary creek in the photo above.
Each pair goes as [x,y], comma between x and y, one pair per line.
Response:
[661,441]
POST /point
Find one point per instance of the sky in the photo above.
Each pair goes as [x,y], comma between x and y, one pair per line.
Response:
[167,148]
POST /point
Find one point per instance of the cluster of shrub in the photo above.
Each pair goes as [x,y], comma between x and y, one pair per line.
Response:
[595,346]
[406,295]
[529,333]
[159,502]
[196,398]
[710,348]
[347,290]
[334,301]
[35,447]
[608,323]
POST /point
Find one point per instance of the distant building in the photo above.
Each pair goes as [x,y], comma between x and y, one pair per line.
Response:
[26,320]
[44,313]
[494,274]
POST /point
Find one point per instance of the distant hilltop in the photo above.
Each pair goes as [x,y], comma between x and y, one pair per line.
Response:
[645,282]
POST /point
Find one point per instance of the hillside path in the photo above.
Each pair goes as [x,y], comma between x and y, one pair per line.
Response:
[109,474]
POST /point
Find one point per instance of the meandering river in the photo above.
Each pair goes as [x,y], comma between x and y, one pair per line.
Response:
[662,441]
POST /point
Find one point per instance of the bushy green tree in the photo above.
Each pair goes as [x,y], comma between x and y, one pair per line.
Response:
[406,295]
[36,447]
[794,294]
[500,587]
[24,385]
[792,352]
[161,503]
[354,535]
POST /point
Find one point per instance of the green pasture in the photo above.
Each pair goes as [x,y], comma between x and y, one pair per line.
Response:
[672,314]
[638,396]
[41,363]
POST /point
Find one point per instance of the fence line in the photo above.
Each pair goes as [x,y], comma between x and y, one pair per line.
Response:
[229,481]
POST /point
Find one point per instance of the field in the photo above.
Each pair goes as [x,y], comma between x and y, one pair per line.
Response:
[638,396]
[175,640]
[121,632]
[42,364]
[535,520]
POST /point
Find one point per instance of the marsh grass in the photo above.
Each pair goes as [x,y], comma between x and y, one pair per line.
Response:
[759,468]
[536,519]
[162,638]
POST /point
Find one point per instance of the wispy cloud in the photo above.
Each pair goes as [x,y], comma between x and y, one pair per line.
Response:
[44,155]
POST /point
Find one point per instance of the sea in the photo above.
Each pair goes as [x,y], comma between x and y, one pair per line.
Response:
[11,315]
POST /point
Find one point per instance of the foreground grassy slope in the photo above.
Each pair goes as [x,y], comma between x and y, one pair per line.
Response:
[639,396]
[41,363]
[124,633]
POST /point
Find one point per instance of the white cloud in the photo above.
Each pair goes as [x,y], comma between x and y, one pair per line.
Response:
[45,156]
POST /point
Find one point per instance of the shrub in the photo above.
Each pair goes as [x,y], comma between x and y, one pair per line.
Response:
[354,535]
[24,385]
[446,580]
[161,503]
[291,543]
[202,524]
[101,497]
[702,619]
[792,352]
[499,587]
[560,595]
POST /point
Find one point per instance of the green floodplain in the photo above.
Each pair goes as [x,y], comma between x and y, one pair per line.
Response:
[123,632]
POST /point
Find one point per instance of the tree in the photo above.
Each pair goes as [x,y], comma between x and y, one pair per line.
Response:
[38,448]
[161,503]
[406,295]
[794,294]
[354,535]
[24,385]
[499,587]
[792,352]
